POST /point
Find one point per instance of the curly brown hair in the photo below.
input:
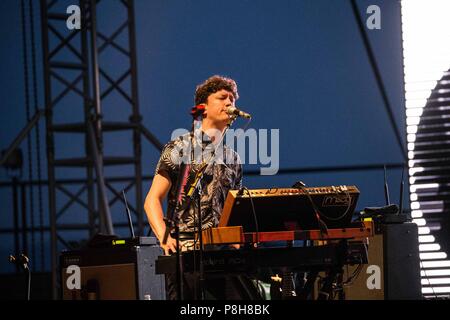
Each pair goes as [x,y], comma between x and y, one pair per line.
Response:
[212,85]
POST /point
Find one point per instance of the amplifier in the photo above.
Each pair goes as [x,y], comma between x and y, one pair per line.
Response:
[393,268]
[123,271]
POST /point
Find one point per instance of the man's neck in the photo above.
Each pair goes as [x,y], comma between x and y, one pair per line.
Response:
[214,131]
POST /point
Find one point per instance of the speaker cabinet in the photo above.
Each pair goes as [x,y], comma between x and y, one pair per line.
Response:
[393,269]
[115,273]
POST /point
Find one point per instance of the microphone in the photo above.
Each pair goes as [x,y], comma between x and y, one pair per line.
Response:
[233,111]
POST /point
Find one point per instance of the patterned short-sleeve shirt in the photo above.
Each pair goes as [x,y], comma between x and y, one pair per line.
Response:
[220,176]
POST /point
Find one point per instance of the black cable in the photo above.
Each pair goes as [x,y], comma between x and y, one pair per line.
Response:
[27,269]
[255,217]
[28,115]
[38,139]
[354,275]
[427,278]
[402,185]
[322,226]
[179,276]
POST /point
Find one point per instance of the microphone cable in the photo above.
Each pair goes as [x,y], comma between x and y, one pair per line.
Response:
[322,226]
[255,217]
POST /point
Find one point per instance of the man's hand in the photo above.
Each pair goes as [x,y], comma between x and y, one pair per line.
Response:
[170,246]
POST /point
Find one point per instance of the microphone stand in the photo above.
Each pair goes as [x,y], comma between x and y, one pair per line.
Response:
[201,279]
[196,185]
[176,210]
[172,221]
[22,261]
[173,217]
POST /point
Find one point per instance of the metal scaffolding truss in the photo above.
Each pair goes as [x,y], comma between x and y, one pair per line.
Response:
[79,84]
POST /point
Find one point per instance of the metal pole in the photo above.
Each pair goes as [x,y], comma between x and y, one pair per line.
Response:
[135,118]
[50,150]
[87,106]
[106,215]
[23,196]
[95,73]
[22,135]
[16,218]
[150,137]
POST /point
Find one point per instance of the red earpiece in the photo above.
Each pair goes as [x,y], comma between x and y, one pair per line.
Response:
[197,111]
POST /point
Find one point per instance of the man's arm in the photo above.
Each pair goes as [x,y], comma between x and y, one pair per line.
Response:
[154,208]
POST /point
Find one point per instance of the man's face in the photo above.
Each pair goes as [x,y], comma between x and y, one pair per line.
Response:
[217,105]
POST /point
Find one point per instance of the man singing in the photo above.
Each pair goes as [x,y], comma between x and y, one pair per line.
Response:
[224,173]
